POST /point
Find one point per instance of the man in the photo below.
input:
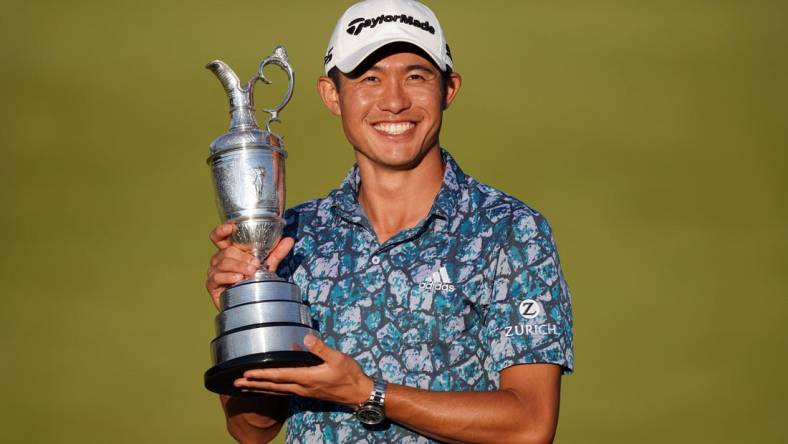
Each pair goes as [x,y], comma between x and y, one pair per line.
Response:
[443,311]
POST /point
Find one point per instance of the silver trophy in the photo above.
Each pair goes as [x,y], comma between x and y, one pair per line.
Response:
[262,322]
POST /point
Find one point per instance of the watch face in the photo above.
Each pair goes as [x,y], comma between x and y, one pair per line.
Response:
[370,414]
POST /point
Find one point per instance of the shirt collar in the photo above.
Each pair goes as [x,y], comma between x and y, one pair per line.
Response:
[345,198]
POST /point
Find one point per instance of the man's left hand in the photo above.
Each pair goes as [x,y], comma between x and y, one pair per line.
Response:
[338,379]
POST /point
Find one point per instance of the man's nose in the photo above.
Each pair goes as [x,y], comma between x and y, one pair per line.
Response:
[394,98]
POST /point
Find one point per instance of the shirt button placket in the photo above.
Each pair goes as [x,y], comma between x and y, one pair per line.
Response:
[375,260]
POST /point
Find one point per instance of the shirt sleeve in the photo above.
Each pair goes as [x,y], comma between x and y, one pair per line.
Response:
[292,228]
[529,317]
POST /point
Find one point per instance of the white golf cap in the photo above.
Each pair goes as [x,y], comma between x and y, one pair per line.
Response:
[369,25]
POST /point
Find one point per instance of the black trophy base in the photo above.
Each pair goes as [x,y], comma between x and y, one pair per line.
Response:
[219,378]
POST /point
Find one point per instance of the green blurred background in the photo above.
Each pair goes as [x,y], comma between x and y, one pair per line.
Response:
[652,134]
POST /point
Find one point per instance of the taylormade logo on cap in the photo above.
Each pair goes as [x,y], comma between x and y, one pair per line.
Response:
[369,25]
[356,26]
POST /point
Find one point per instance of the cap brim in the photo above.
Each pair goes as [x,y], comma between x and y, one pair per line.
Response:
[352,61]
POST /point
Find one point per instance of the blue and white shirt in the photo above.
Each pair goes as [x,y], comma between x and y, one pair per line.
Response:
[474,288]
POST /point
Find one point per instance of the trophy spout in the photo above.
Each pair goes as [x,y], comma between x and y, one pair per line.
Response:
[241,103]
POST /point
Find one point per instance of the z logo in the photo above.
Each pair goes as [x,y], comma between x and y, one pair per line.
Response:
[529,309]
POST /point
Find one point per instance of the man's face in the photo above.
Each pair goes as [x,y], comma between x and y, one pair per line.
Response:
[392,112]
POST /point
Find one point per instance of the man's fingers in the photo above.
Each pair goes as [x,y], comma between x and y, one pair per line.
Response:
[234,253]
[319,348]
[217,280]
[279,252]
[221,234]
[281,375]
[229,264]
[267,386]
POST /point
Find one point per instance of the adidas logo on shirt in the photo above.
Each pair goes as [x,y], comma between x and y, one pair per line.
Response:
[439,281]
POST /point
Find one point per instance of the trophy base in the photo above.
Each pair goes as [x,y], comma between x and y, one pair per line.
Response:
[262,324]
[219,378]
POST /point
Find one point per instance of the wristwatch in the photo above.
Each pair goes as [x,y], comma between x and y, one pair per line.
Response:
[371,411]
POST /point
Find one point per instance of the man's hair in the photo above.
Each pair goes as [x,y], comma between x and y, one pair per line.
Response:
[445,74]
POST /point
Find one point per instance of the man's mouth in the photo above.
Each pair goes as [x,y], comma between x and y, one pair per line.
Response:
[393,129]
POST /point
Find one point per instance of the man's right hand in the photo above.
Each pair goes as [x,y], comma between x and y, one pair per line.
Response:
[248,419]
[231,264]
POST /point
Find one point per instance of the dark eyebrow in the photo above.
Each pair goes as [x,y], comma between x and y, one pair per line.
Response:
[416,66]
[420,67]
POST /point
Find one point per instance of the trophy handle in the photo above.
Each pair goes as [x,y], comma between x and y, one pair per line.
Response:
[278,58]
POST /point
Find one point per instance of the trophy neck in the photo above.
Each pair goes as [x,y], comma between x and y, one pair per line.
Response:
[242,118]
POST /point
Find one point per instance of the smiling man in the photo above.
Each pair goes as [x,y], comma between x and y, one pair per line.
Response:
[441,303]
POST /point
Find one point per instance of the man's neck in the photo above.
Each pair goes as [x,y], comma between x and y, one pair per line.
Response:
[395,200]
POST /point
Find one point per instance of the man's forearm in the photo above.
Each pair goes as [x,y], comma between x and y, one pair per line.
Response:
[524,410]
[499,416]
[254,420]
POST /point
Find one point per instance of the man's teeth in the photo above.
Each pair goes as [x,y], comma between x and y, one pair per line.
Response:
[394,128]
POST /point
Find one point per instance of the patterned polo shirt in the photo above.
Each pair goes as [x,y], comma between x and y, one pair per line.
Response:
[474,288]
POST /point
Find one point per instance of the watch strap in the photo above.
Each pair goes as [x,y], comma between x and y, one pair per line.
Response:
[378,395]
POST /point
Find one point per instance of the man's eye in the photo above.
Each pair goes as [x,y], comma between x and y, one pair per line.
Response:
[415,77]
[370,79]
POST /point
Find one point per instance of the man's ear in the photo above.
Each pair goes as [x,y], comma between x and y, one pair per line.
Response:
[453,84]
[329,94]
